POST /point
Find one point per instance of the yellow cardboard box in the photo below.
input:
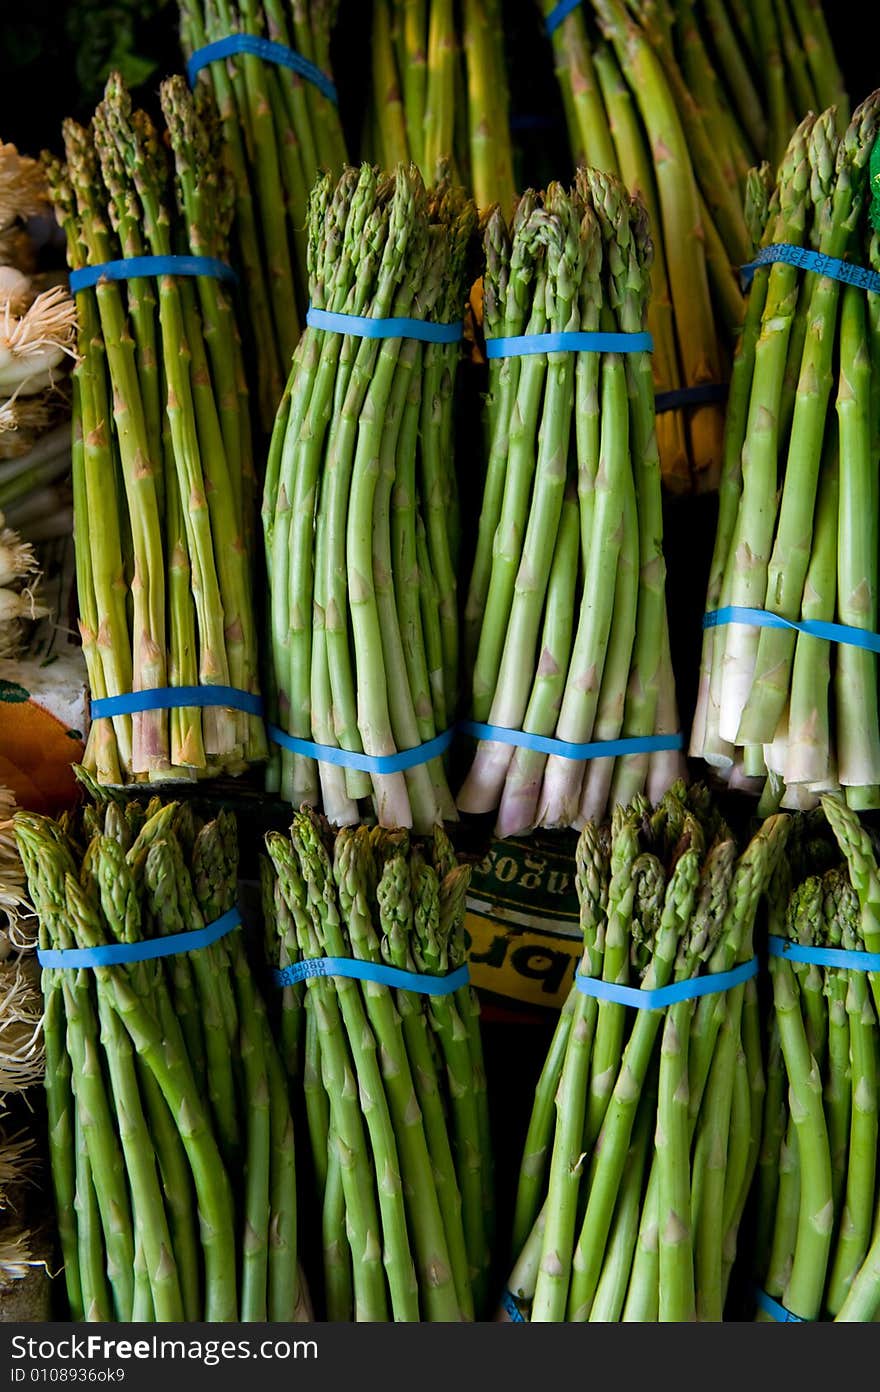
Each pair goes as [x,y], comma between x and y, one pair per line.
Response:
[522,923]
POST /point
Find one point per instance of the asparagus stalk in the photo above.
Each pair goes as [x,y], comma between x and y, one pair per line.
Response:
[68,1153]
[803,94]
[806,1280]
[412,25]
[337,1258]
[611,1291]
[679,213]
[455,1022]
[397,898]
[643,689]
[561,1205]
[491,157]
[139,467]
[778,108]
[619,1119]
[565,253]
[440,87]
[816,41]
[637,173]
[589,135]
[560,794]
[740,82]
[537,231]
[49,869]
[92,1297]
[418,1134]
[858,753]
[196,31]
[347,1124]
[399,132]
[745,584]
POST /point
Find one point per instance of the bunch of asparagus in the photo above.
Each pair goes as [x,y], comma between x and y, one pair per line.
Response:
[645,1130]
[797,527]
[280,131]
[393,1080]
[360,505]
[681,100]
[440,92]
[818,1198]
[163,470]
[170,1132]
[565,623]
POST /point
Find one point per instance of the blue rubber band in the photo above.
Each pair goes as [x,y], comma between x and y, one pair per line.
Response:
[121,954]
[705,394]
[564,749]
[814,628]
[658,999]
[367,763]
[361,327]
[134,267]
[176,697]
[432,749]
[510,1307]
[423,983]
[824,956]
[270,52]
[773,1308]
[523,345]
[808,260]
[559,13]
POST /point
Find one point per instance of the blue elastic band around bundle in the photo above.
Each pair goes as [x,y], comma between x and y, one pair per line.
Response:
[380,972]
[134,267]
[808,260]
[705,394]
[773,1308]
[564,749]
[658,999]
[510,1308]
[559,13]
[121,954]
[813,628]
[523,345]
[360,327]
[824,956]
[368,763]
[266,49]
[176,697]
